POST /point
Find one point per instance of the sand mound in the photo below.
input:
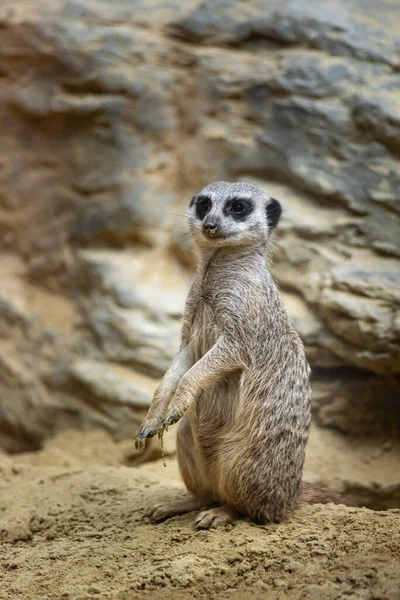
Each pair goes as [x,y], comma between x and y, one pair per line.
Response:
[77,533]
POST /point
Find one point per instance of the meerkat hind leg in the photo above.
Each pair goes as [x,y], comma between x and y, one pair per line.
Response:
[166,510]
[213,517]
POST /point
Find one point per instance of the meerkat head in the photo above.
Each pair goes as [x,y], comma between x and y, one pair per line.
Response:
[232,214]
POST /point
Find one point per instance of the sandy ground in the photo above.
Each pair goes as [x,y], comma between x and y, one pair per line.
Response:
[72,528]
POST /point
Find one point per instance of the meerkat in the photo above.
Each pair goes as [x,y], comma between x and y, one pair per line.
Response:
[239,384]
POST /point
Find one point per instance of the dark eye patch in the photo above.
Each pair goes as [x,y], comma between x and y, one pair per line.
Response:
[238,208]
[202,206]
[274,211]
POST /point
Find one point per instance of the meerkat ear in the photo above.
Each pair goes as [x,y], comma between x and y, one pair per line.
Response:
[274,211]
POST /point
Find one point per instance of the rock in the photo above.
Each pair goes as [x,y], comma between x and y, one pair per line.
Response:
[120,395]
[361,469]
[339,28]
[24,408]
[136,303]
[100,395]
[308,75]
[147,13]
[220,21]
[357,403]
[97,133]
[141,279]
[131,337]
[114,385]
[361,305]
[36,329]
[141,210]
[380,114]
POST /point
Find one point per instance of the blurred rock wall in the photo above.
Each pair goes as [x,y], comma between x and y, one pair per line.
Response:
[113,115]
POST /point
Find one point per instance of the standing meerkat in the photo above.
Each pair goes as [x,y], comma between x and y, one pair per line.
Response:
[240,382]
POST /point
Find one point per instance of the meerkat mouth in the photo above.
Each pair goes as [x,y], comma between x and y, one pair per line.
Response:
[216,237]
[219,235]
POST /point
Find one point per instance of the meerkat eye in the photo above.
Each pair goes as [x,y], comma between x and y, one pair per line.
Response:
[238,206]
[203,205]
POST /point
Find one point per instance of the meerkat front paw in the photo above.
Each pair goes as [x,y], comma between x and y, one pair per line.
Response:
[173,417]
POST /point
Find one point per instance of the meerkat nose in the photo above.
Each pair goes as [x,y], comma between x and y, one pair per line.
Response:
[210,228]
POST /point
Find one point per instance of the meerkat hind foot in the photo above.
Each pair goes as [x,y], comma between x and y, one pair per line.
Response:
[166,510]
[213,517]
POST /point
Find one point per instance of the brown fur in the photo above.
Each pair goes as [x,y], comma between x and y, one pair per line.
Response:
[240,382]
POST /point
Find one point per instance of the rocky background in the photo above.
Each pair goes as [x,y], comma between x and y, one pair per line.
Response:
[113,115]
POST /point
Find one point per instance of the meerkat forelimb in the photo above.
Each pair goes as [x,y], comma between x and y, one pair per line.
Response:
[163,394]
[221,359]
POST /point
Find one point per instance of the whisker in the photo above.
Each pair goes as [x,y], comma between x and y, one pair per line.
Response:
[183,216]
[185,237]
[188,235]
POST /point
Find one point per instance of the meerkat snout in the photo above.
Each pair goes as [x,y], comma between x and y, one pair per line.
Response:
[212,228]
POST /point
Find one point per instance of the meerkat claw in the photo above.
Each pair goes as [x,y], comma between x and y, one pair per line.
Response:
[143,434]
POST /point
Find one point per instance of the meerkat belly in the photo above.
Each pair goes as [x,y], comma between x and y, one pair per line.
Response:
[211,418]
